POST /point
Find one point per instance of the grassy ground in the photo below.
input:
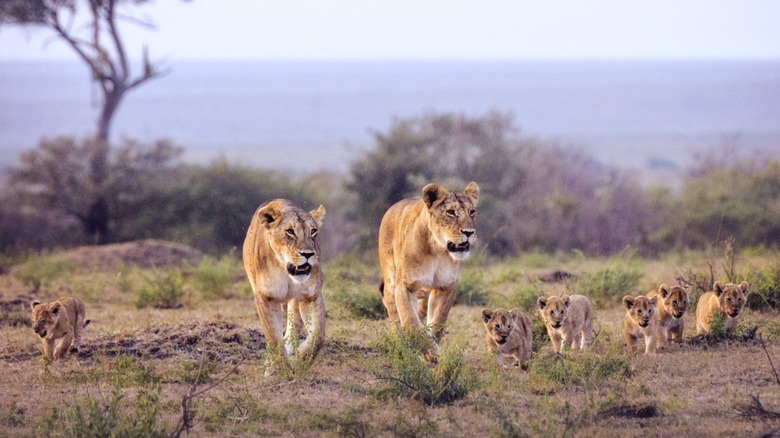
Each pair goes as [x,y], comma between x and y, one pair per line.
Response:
[139,362]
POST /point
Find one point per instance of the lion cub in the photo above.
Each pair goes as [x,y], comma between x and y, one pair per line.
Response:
[640,321]
[568,319]
[728,299]
[61,320]
[509,333]
[672,304]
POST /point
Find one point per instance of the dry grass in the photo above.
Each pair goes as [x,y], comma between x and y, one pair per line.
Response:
[132,358]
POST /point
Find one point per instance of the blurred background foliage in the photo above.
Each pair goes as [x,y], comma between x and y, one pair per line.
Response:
[535,195]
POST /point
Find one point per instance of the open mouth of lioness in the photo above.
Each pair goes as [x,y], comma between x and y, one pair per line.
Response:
[304,269]
[460,247]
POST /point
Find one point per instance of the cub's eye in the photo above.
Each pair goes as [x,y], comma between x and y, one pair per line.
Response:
[498,327]
[451,213]
[314,232]
[290,233]
[674,302]
[728,299]
[552,312]
[472,212]
[639,311]
[509,328]
[650,312]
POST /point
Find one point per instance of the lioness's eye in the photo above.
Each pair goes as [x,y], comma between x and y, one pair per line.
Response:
[290,232]
[314,232]
[451,213]
[472,212]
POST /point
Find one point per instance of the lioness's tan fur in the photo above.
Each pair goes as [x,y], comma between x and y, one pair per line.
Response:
[727,299]
[422,243]
[569,319]
[281,258]
[509,333]
[672,305]
[59,322]
[641,321]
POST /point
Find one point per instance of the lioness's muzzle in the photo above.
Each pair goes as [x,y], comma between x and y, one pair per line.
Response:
[304,269]
[460,247]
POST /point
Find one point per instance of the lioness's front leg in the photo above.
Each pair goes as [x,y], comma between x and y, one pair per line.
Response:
[313,311]
[271,320]
[439,304]
[405,303]
[295,328]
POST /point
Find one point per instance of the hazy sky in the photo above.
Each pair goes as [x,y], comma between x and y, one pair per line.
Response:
[439,29]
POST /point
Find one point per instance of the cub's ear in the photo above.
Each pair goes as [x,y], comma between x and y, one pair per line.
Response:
[718,288]
[318,215]
[687,292]
[654,300]
[487,315]
[515,314]
[566,300]
[664,290]
[268,214]
[472,191]
[432,193]
[745,288]
[35,304]
[55,308]
[628,302]
[541,302]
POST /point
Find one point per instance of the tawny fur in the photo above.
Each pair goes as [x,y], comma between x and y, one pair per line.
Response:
[509,334]
[672,305]
[281,259]
[422,243]
[641,322]
[569,320]
[59,324]
[727,299]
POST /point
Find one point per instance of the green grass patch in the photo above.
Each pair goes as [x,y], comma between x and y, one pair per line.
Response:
[163,289]
[216,278]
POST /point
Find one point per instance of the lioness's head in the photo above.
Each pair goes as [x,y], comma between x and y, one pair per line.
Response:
[45,317]
[731,297]
[293,235]
[453,217]
[499,323]
[554,309]
[641,309]
[675,299]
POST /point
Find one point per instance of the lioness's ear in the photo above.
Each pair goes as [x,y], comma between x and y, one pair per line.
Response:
[432,193]
[664,289]
[628,302]
[318,215]
[487,315]
[718,288]
[541,302]
[472,191]
[654,300]
[35,304]
[566,300]
[744,287]
[55,308]
[267,214]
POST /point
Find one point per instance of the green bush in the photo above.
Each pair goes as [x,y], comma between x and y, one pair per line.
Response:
[471,289]
[587,369]
[40,270]
[410,376]
[610,284]
[215,279]
[764,289]
[163,289]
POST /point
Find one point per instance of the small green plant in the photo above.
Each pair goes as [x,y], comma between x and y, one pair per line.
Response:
[524,296]
[471,289]
[163,289]
[128,371]
[357,302]
[586,369]
[215,278]
[609,284]
[40,270]
[764,289]
[410,376]
[112,419]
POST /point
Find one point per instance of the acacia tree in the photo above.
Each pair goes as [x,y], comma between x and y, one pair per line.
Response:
[91,29]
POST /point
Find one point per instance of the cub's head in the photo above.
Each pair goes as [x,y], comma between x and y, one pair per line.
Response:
[554,309]
[675,299]
[453,217]
[731,297]
[499,323]
[641,309]
[293,235]
[45,317]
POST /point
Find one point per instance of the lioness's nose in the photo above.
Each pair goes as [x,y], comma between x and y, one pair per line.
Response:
[307,254]
[468,233]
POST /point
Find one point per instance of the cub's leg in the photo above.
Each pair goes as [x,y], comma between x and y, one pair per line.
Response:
[587,334]
[48,348]
[557,340]
[576,341]
[650,343]
[630,341]
[676,334]
[63,345]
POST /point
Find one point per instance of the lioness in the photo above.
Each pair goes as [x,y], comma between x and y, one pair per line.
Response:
[61,320]
[509,333]
[281,258]
[568,319]
[672,304]
[422,243]
[728,299]
[641,321]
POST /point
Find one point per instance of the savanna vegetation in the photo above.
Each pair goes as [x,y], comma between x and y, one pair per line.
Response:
[174,346]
